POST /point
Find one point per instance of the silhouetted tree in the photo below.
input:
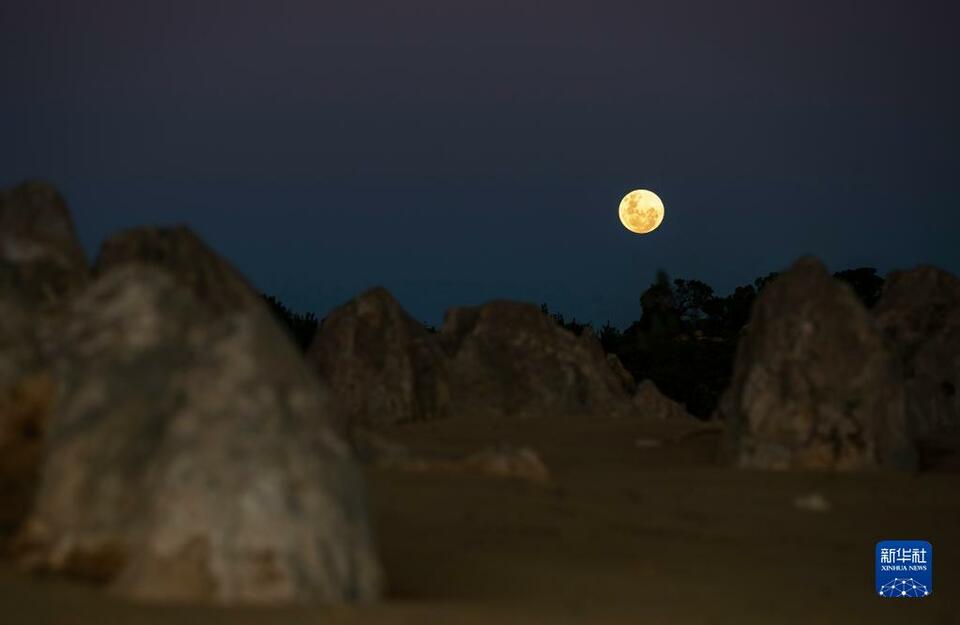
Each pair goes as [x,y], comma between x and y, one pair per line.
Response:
[691,297]
[687,336]
[572,325]
[660,316]
[759,283]
[726,316]
[741,301]
[558,317]
[610,338]
[865,283]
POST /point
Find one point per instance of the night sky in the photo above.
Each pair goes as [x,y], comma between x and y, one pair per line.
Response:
[459,151]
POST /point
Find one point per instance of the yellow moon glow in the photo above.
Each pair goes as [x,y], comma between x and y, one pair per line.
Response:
[641,211]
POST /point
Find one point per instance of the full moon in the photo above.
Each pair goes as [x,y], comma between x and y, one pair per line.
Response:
[641,211]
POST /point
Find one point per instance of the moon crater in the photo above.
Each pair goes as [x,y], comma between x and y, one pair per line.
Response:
[641,211]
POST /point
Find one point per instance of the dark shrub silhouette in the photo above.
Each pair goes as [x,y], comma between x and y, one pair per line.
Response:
[692,298]
[301,326]
[573,325]
[661,316]
[865,282]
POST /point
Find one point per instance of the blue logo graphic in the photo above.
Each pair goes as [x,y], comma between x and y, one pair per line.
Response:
[904,568]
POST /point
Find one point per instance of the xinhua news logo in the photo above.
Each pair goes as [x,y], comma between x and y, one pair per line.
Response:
[904,569]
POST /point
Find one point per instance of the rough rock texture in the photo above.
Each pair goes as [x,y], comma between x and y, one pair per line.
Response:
[189,459]
[41,265]
[814,385]
[382,365]
[26,393]
[503,358]
[179,251]
[508,358]
[650,402]
[39,244]
[919,313]
[19,348]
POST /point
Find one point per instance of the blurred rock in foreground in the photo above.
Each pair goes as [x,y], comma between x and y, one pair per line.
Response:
[186,257]
[919,312]
[41,265]
[814,386]
[189,457]
[39,244]
[26,398]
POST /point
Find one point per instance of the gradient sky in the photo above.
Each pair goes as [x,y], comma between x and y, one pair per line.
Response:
[457,151]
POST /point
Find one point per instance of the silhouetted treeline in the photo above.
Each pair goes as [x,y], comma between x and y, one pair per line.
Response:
[572,325]
[301,326]
[686,337]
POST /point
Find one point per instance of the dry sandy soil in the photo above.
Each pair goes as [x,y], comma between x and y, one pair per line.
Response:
[620,535]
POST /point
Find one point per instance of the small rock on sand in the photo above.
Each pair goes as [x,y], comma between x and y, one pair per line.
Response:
[648,443]
[813,502]
[514,462]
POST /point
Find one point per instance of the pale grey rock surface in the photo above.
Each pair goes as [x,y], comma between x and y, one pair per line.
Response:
[814,385]
[191,456]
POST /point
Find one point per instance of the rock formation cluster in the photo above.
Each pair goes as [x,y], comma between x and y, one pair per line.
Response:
[820,382]
[161,434]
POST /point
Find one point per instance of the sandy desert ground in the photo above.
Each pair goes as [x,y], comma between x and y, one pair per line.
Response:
[621,534]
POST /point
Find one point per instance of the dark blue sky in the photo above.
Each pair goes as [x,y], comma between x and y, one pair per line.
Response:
[460,151]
